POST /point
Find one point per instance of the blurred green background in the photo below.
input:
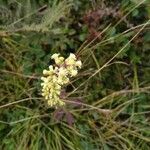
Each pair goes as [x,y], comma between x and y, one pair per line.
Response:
[108,102]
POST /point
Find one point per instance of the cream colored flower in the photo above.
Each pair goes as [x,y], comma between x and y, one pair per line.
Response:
[56,77]
[55,56]
[62,71]
[59,60]
[79,63]
[73,73]
[72,56]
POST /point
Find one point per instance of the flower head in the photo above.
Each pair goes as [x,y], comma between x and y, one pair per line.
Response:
[58,60]
[56,77]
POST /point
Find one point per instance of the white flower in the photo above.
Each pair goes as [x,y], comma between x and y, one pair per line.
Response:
[71,60]
[72,56]
[45,72]
[55,56]
[43,78]
[73,73]
[56,77]
[79,63]
[62,71]
[59,60]
[51,68]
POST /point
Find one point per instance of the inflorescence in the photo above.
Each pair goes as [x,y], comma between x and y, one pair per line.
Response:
[57,76]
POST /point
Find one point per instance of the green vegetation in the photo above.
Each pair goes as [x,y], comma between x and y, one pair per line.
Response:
[107,104]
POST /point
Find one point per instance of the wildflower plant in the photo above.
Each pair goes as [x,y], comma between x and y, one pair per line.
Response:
[57,76]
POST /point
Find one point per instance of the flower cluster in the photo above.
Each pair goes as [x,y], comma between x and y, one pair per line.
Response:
[57,76]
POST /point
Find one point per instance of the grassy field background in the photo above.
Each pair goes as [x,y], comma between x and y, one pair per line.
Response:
[107,104]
